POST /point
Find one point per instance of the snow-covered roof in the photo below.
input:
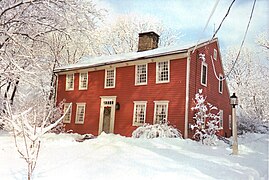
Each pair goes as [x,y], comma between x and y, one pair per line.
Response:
[89,61]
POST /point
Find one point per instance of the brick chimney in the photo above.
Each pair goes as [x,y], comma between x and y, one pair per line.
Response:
[148,41]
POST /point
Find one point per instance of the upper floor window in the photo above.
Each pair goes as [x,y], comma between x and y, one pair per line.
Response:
[110,77]
[67,117]
[80,113]
[141,72]
[221,119]
[83,80]
[204,73]
[160,111]
[162,72]
[139,116]
[215,55]
[69,82]
[220,83]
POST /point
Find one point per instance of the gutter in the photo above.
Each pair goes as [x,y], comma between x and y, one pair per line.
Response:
[186,126]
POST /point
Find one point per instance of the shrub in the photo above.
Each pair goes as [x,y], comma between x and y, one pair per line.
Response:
[162,130]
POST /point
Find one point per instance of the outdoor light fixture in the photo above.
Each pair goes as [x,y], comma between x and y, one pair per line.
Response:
[234,102]
[117,106]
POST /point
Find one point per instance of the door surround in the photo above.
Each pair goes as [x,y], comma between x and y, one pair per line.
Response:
[107,101]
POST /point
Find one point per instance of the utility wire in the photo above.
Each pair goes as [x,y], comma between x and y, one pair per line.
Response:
[211,14]
[242,43]
[223,19]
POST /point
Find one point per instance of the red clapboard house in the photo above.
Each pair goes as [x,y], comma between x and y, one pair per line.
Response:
[118,93]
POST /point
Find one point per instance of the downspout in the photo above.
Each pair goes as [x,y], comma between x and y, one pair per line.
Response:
[187,95]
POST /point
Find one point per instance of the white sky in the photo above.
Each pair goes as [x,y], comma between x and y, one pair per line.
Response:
[190,16]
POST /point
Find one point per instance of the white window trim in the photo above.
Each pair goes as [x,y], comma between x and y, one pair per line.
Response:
[66,82]
[157,72]
[80,84]
[114,82]
[215,54]
[84,105]
[143,83]
[221,82]
[204,64]
[155,108]
[221,119]
[145,113]
[66,105]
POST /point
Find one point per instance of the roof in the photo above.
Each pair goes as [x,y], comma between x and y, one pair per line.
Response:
[90,62]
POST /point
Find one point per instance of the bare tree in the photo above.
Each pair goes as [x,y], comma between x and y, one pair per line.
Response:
[28,127]
[30,32]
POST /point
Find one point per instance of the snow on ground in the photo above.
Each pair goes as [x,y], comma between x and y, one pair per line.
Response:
[115,157]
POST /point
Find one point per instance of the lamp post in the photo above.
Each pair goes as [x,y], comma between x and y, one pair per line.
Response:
[234,102]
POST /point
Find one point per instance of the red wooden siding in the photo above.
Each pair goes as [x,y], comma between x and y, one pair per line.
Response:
[211,91]
[126,93]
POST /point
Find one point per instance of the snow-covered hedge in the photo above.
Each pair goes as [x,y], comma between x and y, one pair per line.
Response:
[253,125]
[162,130]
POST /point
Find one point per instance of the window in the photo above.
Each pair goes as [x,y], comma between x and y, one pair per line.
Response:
[80,114]
[162,71]
[160,111]
[141,74]
[110,75]
[221,119]
[230,122]
[204,74]
[220,83]
[83,81]
[69,82]
[139,113]
[215,55]
[67,117]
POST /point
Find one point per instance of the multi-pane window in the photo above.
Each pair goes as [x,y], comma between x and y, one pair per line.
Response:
[110,75]
[162,71]
[83,81]
[215,55]
[204,74]
[220,83]
[69,82]
[221,118]
[141,74]
[67,117]
[160,111]
[80,113]
[139,116]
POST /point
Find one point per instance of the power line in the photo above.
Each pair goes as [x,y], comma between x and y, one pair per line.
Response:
[242,43]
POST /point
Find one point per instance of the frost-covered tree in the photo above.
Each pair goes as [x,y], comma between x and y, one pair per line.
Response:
[35,35]
[206,120]
[28,127]
[121,35]
[247,79]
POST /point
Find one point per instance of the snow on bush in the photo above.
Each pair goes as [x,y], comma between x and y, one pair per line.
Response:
[206,123]
[162,130]
[252,125]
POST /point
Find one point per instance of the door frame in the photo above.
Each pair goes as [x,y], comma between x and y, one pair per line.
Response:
[112,114]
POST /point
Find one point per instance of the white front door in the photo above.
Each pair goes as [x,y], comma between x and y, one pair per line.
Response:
[107,114]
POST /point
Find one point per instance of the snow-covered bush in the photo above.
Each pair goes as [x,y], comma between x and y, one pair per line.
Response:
[206,122]
[162,130]
[253,125]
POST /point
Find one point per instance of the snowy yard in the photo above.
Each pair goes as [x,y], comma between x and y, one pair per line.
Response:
[117,157]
